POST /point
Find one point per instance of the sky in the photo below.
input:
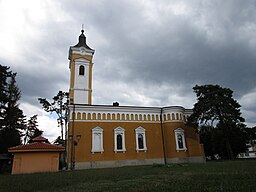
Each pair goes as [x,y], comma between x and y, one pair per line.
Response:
[147,53]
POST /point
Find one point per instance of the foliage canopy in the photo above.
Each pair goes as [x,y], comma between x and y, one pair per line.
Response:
[59,105]
[218,116]
[12,120]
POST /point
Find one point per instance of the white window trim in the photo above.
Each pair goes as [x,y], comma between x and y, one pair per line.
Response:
[141,131]
[119,131]
[180,131]
[98,131]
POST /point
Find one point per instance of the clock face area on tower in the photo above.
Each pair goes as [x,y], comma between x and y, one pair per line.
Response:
[82,51]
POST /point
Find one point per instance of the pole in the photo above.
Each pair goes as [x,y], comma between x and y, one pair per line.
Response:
[163,143]
[72,166]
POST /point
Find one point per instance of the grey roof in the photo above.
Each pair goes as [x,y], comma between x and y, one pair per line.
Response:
[82,41]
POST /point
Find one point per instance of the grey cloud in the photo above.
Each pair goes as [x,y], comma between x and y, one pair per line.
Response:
[148,50]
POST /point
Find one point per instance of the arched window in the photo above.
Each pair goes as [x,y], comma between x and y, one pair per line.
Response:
[119,139]
[119,142]
[180,142]
[140,139]
[81,70]
[97,140]
[180,139]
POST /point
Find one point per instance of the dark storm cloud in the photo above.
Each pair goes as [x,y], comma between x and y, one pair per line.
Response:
[179,50]
[43,67]
[213,43]
[147,53]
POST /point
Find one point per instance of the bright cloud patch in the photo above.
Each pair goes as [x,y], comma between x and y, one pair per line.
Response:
[46,122]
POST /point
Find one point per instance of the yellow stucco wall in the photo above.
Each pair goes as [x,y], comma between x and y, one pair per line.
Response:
[83,149]
[31,162]
[154,141]
[169,136]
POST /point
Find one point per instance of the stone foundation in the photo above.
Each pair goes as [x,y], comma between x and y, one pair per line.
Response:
[135,162]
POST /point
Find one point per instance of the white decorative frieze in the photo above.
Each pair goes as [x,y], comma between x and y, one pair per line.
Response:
[137,114]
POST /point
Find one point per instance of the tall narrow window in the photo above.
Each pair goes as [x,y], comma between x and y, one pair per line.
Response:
[180,142]
[97,140]
[119,139]
[81,70]
[180,139]
[140,139]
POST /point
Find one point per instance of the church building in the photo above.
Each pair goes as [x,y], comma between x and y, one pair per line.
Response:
[113,135]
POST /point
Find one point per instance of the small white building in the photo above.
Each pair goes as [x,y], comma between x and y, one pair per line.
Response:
[251,152]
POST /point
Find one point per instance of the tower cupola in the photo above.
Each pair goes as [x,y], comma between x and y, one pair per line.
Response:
[82,41]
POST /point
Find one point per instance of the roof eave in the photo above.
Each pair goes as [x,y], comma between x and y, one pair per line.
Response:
[35,150]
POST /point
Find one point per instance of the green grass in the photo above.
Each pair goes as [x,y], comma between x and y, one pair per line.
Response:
[211,176]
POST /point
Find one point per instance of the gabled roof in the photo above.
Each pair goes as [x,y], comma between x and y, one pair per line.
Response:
[36,147]
[40,139]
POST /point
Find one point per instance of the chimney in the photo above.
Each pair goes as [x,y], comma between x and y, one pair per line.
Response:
[116,104]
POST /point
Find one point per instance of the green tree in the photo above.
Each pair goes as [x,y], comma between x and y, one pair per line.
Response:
[216,108]
[59,141]
[12,120]
[206,134]
[58,106]
[32,130]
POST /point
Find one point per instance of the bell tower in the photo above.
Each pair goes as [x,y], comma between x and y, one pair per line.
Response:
[80,65]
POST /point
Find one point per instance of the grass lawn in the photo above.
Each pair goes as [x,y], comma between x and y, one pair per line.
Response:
[239,175]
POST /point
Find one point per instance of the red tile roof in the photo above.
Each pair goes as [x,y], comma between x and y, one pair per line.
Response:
[40,139]
[36,146]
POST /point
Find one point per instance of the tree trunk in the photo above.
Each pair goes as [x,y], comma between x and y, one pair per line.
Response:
[229,150]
